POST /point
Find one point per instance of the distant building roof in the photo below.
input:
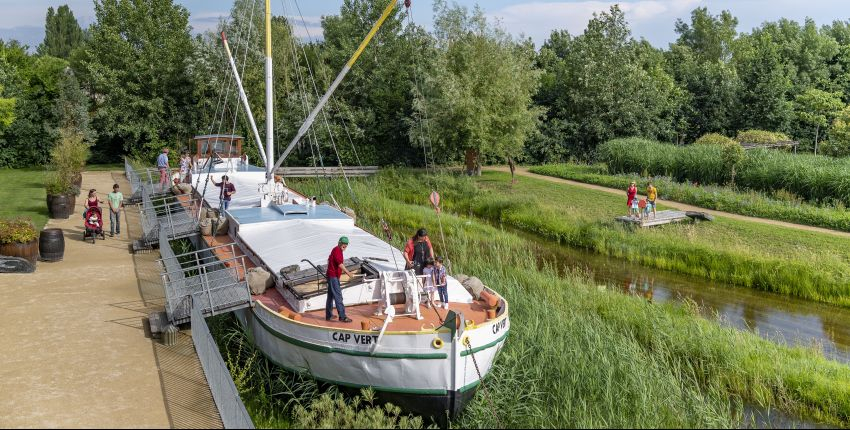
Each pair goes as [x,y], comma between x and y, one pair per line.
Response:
[219,136]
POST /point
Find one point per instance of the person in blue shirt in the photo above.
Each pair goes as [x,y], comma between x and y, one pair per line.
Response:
[162,165]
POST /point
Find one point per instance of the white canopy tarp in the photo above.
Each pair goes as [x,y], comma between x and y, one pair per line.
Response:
[284,243]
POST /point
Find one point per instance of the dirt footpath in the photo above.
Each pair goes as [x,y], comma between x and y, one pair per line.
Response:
[523,171]
[74,353]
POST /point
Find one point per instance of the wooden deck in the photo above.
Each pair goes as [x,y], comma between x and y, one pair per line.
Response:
[660,218]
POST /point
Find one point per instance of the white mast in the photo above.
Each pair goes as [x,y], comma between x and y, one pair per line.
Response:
[269,96]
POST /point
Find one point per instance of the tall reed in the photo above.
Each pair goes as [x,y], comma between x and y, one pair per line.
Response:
[815,178]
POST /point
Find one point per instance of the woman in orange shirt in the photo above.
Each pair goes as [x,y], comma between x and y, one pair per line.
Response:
[418,250]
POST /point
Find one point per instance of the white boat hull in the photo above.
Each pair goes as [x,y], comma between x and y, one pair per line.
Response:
[408,366]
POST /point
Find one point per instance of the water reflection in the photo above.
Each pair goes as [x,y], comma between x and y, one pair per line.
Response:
[779,318]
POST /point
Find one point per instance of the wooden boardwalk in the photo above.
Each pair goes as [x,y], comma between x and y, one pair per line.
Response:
[660,218]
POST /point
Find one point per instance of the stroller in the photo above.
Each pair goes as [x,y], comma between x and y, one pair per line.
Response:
[93,221]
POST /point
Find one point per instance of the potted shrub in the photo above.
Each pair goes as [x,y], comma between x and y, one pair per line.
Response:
[61,195]
[68,158]
[18,238]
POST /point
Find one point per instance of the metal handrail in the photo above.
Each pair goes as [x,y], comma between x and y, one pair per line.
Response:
[205,265]
[231,245]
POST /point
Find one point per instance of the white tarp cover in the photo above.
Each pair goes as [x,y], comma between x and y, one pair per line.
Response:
[247,188]
[284,243]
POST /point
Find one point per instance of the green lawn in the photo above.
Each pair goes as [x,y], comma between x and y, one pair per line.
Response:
[22,194]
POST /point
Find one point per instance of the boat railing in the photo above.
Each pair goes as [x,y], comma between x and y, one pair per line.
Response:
[199,277]
[230,407]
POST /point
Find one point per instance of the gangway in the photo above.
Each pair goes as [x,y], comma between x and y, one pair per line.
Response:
[214,285]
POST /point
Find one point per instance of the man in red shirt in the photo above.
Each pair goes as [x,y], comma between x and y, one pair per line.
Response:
[336,265]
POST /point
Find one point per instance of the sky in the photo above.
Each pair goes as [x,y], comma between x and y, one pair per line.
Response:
[652,20]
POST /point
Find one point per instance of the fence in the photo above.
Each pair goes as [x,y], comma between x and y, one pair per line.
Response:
[306,172]
[201,278]
[226,396]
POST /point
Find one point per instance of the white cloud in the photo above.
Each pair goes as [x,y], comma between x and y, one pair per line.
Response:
[538,19]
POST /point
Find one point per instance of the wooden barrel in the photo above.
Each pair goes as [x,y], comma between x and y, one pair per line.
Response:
[51,244]
[60,207]
[28,251]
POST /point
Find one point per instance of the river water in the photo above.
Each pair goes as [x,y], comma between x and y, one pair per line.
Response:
[773,316]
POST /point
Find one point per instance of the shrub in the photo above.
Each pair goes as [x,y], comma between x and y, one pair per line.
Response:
[761,137]
[714,139]
[19,230]
[57,184]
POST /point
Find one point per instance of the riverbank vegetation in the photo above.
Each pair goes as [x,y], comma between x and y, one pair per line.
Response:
[578,355]
[777,205]
[763,257]
[814,178]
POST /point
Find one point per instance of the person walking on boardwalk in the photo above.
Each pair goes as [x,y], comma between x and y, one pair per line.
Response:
[651,195]
[336,266]
[227,191]
[418,250]
[116,203]
[162,165]
[186,168]
[631,194]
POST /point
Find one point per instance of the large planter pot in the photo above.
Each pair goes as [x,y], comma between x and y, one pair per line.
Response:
[27,251]
[51,244]
[61,206]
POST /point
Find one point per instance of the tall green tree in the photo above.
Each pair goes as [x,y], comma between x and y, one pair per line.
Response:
[62,33]
[701,63]
[136,67]
[765,86]
[600,85]
[477,94]
[818,108]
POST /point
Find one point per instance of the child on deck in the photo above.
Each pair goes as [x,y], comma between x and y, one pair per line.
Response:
[643,208]
[439,274]
[428,277]
[634,210]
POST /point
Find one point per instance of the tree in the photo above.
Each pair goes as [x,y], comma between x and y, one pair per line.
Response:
[603,84]
[709,37]
[478,90]
[62,33]
[817,108]
[136,67]
[839,135]
[701,63]
[765,86]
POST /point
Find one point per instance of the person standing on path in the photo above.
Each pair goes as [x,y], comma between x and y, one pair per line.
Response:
[162,165]
[116,203]
[631,194]
[651,195]
[336,266]
[418,250]
[227,190]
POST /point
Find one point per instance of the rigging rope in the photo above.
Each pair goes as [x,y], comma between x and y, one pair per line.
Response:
[326,78]
[426,141]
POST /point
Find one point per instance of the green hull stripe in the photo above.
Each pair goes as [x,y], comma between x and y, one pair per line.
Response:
[329,350]
[416,391]
[466,352]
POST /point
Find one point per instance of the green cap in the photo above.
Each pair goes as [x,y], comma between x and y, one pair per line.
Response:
[343,240]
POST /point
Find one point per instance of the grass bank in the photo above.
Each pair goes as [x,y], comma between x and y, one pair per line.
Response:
[816,178]
[780,206]
[803,264]
[23,195]
[580,356]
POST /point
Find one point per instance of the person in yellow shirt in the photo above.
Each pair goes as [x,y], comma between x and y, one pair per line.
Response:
[651,195]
